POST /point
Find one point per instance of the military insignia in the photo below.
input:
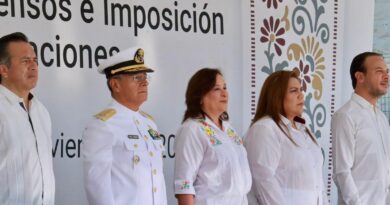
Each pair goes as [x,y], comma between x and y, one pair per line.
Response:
[105,114]
[139,56]
[133,137]
[154,134]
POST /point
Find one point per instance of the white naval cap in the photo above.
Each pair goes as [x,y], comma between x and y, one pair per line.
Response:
[130,60]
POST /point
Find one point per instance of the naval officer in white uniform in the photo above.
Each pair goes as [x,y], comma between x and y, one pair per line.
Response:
[122,150]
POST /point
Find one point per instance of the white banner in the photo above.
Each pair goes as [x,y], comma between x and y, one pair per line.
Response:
[72,37]
[179,37]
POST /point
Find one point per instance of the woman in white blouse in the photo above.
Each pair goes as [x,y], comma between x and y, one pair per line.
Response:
[211,166]
[284,157]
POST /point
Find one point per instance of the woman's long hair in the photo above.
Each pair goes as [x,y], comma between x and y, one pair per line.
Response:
[202,82]
[271,100]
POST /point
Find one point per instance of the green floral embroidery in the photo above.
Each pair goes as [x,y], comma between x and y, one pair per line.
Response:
[232,134]
[185,185]
[210,133]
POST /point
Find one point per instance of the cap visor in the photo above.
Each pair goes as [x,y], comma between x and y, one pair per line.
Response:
[138,70]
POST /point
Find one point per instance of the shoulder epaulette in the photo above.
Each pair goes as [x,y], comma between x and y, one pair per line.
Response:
[146,115]
[105,114]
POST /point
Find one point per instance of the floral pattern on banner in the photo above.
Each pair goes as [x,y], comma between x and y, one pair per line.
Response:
[306,56]
[273,3]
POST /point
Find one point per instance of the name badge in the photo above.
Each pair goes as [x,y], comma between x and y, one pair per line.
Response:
[133,137]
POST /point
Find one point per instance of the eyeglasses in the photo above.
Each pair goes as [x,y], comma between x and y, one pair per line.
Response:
[137,78]
[140,77]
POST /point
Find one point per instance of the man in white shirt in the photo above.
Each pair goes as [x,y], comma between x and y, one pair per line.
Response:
[122,150]
[361,136]
[26,167]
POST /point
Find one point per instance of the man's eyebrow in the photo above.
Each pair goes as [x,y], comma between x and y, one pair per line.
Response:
[381,68]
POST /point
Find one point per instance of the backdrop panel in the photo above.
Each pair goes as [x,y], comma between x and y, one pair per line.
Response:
[248,40]
[301,35]
[72,37]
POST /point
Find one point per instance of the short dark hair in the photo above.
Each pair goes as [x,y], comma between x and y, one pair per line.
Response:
[109,79]
[199,85]
[5,41]
[108,85]
[357,65]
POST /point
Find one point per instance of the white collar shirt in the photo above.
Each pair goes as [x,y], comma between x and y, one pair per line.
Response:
[284,173]
[361,158]
[122,159]
[26,165]
[211,164]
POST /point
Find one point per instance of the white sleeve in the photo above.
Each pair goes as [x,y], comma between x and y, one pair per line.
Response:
[97,158]
[264,152]
[343,146]
[189,153]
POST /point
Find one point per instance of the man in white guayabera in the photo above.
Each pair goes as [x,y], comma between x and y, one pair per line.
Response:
[26,164]
[361,136]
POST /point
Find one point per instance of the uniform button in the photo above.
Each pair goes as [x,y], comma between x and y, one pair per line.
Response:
[135,145]
[151,154]
[161,146]
[136,159]
[145,137]
[154,171]
[154,189]
[137,122]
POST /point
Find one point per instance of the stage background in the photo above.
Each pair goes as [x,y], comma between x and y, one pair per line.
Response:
[382,42]
[231,40]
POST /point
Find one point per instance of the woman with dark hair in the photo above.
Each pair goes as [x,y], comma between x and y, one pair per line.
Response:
[211,166]
[284,157]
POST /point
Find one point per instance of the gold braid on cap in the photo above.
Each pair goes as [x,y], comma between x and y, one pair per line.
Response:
[132,68]
[136,64]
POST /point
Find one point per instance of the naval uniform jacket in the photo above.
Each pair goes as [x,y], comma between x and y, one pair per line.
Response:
[122,154]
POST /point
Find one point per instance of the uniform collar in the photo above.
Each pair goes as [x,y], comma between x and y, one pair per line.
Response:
[12,97]
[123,108]
[363,102]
